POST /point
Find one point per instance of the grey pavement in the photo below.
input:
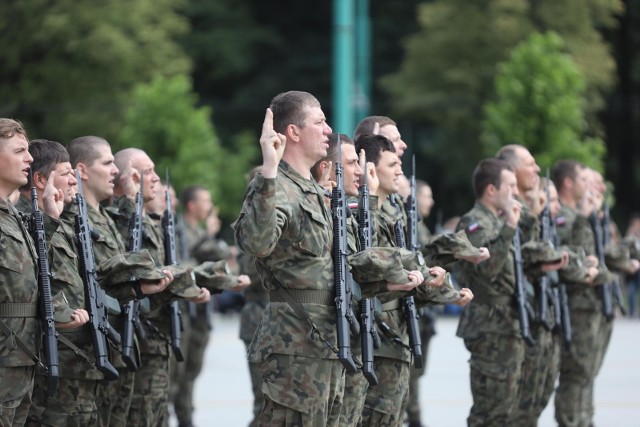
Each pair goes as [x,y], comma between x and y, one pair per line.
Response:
[223,392]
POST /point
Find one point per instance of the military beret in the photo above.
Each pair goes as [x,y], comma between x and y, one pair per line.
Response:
[456,244]
[540,253]
[387,264]
[184,282]
[215,276]
[128,267]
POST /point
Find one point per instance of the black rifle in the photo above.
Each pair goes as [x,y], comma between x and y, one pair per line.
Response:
[96,298]
[545,280]
[131,310]
[409,303]
[369,337]
[606,236]
[521,293]
[44,289]
[605,290]
[171,258]
[346,319]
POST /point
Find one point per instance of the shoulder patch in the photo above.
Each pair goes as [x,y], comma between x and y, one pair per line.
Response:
[473,227]
[561,220]
[353,205]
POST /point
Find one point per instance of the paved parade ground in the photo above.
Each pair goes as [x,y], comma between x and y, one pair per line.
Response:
[223,392]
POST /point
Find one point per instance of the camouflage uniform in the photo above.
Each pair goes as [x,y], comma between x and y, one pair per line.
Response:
[74,403]
[201,247]
[256,298]
[578,364]
[489,325]
[113,397]
[18,286]
[285,223]
[384,404]
[427,331]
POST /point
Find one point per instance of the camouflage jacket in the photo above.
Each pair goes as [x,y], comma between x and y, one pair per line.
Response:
[491,279]
[286,225]
[575,231]
[18,284]
[203,247]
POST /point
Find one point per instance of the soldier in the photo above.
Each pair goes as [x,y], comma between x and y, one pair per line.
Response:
[19,337]
[74,401]
[381,125]
[149,404]
[490,326]
[92,158]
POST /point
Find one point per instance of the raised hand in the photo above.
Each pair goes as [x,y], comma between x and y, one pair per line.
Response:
[130,180]
[52,198]
[272,145]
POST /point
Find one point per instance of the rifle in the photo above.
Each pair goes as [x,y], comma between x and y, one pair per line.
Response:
[342,278]
[96,298]
[521,294]
[369,337]
[409,303]
[545,281]
[171,258]
[131,309]
[604,290]
[606,236]
[44,288]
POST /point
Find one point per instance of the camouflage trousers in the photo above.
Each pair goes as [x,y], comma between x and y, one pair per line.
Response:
[355,393]
[114,399]
[495,363]
[177,370]
[73,404]
[385,403]
[301,391]
[256,388]
[577,370]
[249,320]
[196,346]
[539,373]
[427,331]
[149,404]
[16,386]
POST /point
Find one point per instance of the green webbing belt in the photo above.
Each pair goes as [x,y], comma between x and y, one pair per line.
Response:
[305,296]
[18,309]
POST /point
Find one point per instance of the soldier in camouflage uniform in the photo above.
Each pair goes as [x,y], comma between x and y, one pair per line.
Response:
[74,401]
[149,404]
[489,326]
[92,157]
[19,327]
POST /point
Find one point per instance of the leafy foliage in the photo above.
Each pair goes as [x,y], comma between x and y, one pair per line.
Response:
[540,104]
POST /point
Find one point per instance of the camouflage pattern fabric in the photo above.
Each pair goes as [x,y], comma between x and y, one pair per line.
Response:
[578,365]
[17,285]
[385,402]
[285,223]
[114,397]
[151,391]
[489,325]
[427,331]
[74,403]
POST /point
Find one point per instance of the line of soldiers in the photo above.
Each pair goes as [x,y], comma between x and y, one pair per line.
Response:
[107,254]
[307,363]
[538,317]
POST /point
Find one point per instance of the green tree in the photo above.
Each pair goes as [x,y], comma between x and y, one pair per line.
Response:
[541,105]
[164,120]
[69,65]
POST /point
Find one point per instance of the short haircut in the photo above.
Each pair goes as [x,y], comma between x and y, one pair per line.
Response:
[46,155]
[509,153]
[189,194]
[373,146]
[332,152]
[83,149]
[121,160]
[366,125]
[488,171]
[565,169]
[10,128]
[420,184]
[291,108]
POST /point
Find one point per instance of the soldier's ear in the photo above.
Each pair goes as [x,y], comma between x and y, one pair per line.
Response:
[292,132]
[39,180]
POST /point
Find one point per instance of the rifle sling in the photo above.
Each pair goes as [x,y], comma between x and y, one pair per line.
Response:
[391,305]
[16,342]
[76,350]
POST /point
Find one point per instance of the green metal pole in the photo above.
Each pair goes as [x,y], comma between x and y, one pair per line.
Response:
[363,61]
[343,66]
